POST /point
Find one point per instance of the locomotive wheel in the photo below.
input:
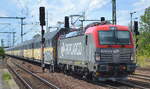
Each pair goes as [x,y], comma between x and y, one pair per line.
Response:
[51,69]
[88,76]
[94,78]
[66,71]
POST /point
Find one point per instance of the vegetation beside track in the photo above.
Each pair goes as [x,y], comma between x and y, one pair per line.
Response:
[143,48]
[2,52]
[6,76]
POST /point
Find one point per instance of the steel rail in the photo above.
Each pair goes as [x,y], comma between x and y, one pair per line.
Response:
[132,85]
[38,77]
[26,85]
[140,77]
[107,85]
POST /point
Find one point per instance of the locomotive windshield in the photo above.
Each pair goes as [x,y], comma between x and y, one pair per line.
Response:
[114,37]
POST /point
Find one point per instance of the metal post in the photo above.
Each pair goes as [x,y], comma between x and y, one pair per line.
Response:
[42,23]
[13,38]
[42,47]
[114,19]
[131,21]
[21,30]
[47,22]
[131,16]
[2,42]
[22,35]
[8,44]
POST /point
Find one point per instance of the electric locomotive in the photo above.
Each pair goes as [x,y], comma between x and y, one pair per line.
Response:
[102,51]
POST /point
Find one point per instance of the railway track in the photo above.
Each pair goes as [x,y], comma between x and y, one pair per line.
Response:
[21,80]
[139,81]
[116,85]
[141,76]
[125,84]
[132,84]
[28,84]
[107,85]
[110,85]
[143,69]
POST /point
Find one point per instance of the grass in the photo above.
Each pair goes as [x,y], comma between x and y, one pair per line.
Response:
[8,80]
[142,62]
[6,76]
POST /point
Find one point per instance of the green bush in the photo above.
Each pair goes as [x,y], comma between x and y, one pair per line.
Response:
[2,52]
[6,76]
[143,49]
[141,61]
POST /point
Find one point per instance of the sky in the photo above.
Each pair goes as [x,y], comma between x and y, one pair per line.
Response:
[57,9]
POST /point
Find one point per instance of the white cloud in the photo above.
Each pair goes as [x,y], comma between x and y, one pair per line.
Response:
[3,14]
[57,12]
[144,3]
[98,3]
[21,3]
[123,17]
[141,5]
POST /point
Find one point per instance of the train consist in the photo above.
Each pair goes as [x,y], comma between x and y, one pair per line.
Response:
[101,51]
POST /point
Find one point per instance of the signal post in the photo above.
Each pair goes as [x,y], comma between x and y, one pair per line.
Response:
[42,23]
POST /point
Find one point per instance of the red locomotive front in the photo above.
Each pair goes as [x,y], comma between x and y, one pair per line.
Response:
[114,52]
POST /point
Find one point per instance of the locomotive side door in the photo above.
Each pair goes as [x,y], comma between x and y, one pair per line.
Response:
[90,51]
[88,47]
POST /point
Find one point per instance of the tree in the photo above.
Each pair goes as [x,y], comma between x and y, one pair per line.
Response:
[2,53]
[144,37]
[145,21]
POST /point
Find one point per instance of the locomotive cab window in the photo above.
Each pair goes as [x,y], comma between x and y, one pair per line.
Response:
[114,37]
[106,37]
[123,37]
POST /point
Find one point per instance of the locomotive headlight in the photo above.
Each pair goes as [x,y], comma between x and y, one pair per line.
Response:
[97,57]
[132,58]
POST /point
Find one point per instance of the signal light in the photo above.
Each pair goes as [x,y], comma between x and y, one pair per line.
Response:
[136,28]
[42,15]
[66,22]
[102,18]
